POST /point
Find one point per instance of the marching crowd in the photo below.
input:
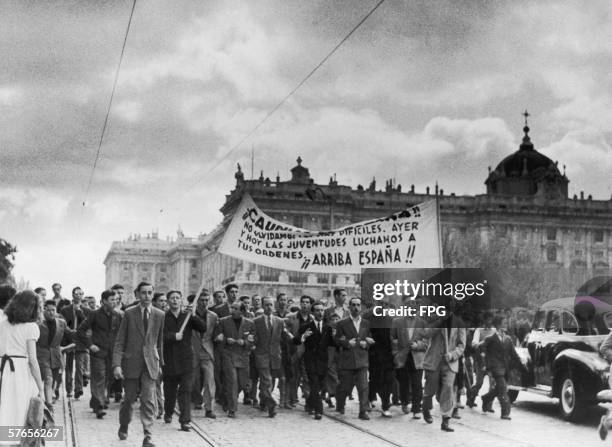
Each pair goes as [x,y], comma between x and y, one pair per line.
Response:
[196,351]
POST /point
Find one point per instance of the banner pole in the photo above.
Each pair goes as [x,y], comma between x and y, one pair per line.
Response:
[439,231]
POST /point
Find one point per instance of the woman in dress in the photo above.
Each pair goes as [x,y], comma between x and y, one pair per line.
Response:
[19,373]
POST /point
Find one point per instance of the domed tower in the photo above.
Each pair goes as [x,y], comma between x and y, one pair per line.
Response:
[527,172]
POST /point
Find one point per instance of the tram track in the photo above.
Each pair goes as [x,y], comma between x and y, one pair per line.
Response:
[358,428]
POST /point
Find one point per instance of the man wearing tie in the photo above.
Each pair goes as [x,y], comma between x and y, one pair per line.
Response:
[353,337]
[269,333]
[137,358]
[316,337]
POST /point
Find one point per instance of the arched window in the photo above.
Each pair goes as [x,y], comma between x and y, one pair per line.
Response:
[551,254]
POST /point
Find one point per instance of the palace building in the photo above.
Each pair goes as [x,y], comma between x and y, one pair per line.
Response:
[526,200]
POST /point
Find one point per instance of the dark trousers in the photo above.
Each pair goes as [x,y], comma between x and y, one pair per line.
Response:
[500,390]
[316,382]
[381,382]
[348,379]
[100,373]
[146,385]
[220,395]
[480,373]
[234,380]
[266,384]
[76,362]
[410,384]
[178,387]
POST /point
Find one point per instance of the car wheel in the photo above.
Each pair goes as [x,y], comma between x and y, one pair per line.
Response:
[571,403]
[512,394]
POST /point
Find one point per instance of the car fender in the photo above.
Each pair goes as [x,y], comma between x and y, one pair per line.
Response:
[590,360]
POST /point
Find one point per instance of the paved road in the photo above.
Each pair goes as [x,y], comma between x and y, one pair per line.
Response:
[534,423]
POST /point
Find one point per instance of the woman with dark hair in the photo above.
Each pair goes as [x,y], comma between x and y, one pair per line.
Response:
[19,373]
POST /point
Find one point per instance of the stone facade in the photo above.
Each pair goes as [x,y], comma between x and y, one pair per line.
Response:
[526,200]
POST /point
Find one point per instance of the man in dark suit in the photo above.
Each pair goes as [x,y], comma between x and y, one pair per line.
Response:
[103,325]
[299,377]
[353,337]
[380,359]
[269,334]
[178,358]
[76,358]
[137,359]
[222,310]
[317,338]
[236,335]
[53,331]
[499,357]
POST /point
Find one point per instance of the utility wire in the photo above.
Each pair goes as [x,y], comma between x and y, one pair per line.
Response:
[110,103]
[295,89]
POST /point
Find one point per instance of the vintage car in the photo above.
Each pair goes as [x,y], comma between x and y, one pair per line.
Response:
[561,353]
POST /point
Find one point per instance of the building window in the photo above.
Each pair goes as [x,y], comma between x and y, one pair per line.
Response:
[551,254]
[551,234]
[194,264]
[194,276]
[598,236]
[578,253]
[577,236]
[162,269]
[163,279]
[298,221]
[502,230]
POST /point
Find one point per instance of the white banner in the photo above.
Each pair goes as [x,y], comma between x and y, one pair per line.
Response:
[406,239]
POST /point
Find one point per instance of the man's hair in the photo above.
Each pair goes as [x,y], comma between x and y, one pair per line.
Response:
[6,293]
[39,289]
[338,291]
[204,291]
[217,292]
[230,286]
[174,291]
[107,294]
[141,285]
[497,320]
[50,303]
[157,296]
[355,298]
[56,284]
[191,298]
[279,295]
[316,303]
[117,287]
[306,297]
[264,298]
[75,289]
[244,298]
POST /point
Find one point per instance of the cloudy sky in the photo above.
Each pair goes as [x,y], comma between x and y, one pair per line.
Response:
[425,90]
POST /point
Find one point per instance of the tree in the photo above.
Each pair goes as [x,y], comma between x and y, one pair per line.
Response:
[517,274]
[7,256]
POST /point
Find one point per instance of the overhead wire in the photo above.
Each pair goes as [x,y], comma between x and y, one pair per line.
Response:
[292,92]
[108,109]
